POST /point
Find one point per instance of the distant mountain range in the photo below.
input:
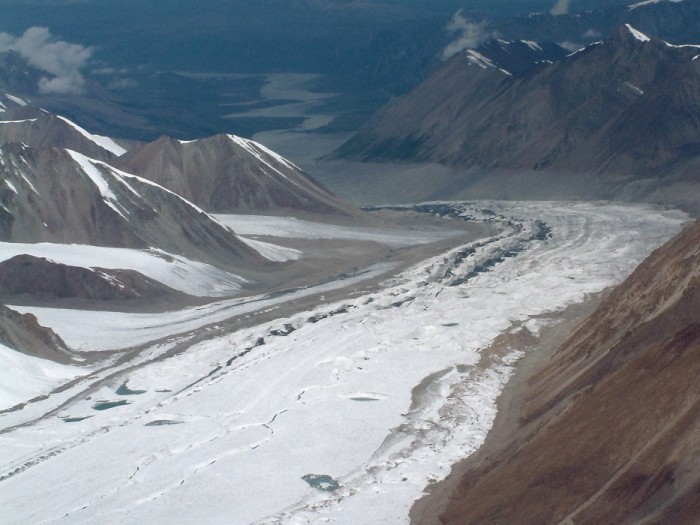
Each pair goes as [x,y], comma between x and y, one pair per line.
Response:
[366,52]
[627,108]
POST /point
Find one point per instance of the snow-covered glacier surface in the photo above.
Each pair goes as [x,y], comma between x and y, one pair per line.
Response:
[342,414]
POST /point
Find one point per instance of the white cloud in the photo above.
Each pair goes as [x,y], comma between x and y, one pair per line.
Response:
[62,59]
[469,35]
[570,46]
[561,7]
[122,83]
[592,33]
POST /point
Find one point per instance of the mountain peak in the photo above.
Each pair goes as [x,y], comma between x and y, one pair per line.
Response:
[627,33]
[49,130]
[226,173]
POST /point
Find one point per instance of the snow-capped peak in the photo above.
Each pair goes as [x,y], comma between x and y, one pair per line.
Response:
[637,34]
[256,149]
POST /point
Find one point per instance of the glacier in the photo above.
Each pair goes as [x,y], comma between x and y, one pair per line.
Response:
[333,414]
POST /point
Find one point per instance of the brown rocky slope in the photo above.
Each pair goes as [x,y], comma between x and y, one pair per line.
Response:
[608,429]
[23,332]
[46,130]
[230,174]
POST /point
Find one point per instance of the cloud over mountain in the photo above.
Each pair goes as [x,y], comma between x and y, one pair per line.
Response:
[468,34]
[561,7]
[63,60]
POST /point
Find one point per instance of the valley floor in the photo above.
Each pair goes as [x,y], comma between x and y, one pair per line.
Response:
[340,412]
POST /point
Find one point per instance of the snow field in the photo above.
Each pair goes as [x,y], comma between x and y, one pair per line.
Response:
[266,225]
[25,377]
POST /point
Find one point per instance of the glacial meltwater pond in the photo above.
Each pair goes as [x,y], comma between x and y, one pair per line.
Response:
[124,390]
[74,419]
[321,482]
[106,405]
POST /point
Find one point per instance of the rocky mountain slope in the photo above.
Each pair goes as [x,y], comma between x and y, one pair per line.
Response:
[626,107]
[48,130]
[26,276]
[230,174]
[61,196]
[607,431]
[23,332]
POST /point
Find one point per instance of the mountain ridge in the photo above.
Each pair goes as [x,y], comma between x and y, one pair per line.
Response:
[602,112]
[93,203]
[227,173]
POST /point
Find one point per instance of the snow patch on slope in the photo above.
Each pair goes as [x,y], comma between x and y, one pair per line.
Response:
[11,186]
[532,45]
[16,100]
[177,272]
[631,7]
[260,152]
[88,167]
[273,252]
[476,58]
[25,376]
[637,34]
[104,142]
[17,121]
